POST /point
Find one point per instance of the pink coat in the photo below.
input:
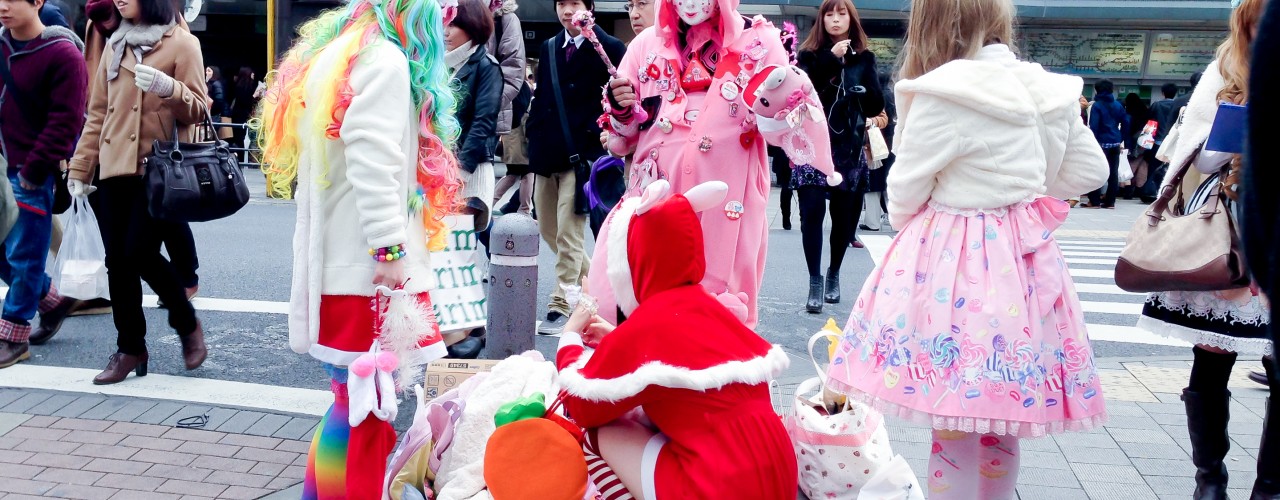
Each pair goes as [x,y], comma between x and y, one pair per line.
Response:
[722,144]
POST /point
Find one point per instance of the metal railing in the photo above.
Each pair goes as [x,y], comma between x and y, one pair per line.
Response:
[247,156]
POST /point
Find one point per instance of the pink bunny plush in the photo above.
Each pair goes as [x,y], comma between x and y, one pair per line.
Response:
[370,387]
[790,116]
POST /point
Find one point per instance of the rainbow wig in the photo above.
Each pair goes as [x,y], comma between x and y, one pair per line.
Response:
[416,27]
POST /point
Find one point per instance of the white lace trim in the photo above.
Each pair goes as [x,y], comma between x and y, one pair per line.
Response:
[974,212]
[1240,345]
[1212,306]
[971,424]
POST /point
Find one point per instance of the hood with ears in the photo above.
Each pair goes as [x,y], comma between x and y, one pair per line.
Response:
[502,7]
[996,83]
[655,241]
[729,22]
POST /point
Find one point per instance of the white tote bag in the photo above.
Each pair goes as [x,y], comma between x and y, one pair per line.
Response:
[1125,168]
[81,268]
[838,453]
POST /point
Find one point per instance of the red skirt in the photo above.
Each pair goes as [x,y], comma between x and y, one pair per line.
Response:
[348,329]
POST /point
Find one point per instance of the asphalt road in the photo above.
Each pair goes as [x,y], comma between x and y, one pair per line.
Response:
[248,257]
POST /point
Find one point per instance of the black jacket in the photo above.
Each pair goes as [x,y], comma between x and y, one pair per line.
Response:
[1165,113]
[479,102]
[1259,205]
[242,106]
[880,178]
[582,79]
[219,98]
[850,92]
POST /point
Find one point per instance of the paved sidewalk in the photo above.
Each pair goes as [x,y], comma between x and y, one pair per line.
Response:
[89,446]
[1142,453]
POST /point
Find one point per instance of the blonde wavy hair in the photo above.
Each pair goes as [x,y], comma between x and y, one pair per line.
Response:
[1235,53]
[941,31]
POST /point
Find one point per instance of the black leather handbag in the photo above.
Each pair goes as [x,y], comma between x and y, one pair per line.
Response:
[194,182]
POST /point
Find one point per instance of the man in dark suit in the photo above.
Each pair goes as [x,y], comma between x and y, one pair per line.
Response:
[558,195]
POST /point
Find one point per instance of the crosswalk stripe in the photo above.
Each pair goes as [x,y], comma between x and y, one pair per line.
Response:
[1103,288]
[1131,335]
[1111,307]
[213,304]
[1093,243]
[1092,262]
[1093,273]
[1091,254]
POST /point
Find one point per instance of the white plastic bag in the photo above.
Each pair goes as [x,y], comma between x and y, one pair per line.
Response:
[81,268]
[1124,168]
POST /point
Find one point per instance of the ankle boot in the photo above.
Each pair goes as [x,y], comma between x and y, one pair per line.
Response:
[193,349]
[814,304]
[1207,416]
[833,287]
[119,367]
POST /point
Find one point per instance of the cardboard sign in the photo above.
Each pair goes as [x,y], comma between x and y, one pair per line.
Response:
[445,374]
[459,296]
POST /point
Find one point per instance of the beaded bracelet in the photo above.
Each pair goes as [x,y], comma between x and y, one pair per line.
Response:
[387,254]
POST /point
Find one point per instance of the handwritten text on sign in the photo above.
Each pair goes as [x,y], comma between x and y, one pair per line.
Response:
[458,298]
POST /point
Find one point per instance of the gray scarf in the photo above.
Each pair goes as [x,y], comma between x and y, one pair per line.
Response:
[137,39]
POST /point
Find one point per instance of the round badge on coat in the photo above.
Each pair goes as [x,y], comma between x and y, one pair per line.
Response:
[729,91]
[733,210]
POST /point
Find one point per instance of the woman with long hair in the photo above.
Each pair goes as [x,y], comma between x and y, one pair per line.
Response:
[244,101]
[217,93]
[1221,324]
[843,71]
[971,324]
[361,117]
[151,52]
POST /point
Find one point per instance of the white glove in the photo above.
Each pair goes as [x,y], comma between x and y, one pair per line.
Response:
[79,188]
[152,80]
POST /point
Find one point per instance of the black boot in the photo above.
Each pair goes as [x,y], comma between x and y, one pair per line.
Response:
[1207,415]
[833,287]
[814,305]
[1267,487]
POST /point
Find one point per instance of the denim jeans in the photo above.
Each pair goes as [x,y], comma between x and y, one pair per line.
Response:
[26,249]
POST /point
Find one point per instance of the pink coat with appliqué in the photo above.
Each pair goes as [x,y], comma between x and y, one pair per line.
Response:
[722,143]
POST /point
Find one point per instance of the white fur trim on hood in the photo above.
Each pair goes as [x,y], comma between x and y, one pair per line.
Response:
[1202,108]
[619,266]
[758,370]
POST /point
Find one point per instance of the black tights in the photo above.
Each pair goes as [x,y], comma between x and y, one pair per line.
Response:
[782,167]
[845,208]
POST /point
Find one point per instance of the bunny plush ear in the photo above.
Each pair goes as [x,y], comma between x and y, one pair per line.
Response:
[707,195]
[656,192]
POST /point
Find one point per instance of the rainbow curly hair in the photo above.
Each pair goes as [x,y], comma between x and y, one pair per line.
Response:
[416,27]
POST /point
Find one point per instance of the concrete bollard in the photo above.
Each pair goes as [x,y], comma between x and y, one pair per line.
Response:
[513,286]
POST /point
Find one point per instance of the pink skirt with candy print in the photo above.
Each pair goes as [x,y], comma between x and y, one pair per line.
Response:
[972,324]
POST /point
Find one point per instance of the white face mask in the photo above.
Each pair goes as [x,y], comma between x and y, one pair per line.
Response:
[694,12]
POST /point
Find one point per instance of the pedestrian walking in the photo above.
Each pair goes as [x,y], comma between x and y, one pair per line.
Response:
[244,102]
[843,71]
[217,93]
[507,46]
[368,141]
[152,53]
[42,107]
[972,324]
[1222,324]
[1110,125]
[567,99]
[479,80]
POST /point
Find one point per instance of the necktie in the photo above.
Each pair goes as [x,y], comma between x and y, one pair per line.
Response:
[569,50]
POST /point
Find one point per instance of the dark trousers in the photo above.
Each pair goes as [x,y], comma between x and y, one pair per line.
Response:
[132,240]
[1108,198]
[782,167]
[180,244]
[845,208]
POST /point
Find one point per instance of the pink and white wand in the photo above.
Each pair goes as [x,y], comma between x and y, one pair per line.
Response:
[586,22]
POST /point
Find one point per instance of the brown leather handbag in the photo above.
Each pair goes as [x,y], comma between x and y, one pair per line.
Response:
[1169,250]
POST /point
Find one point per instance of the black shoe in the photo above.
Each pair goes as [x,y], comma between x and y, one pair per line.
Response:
[1207,416]
[12,352]
[786,222]
[51,322]
[832,296]
[814,304]
[1261,377]
[468,348]
[92,307]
